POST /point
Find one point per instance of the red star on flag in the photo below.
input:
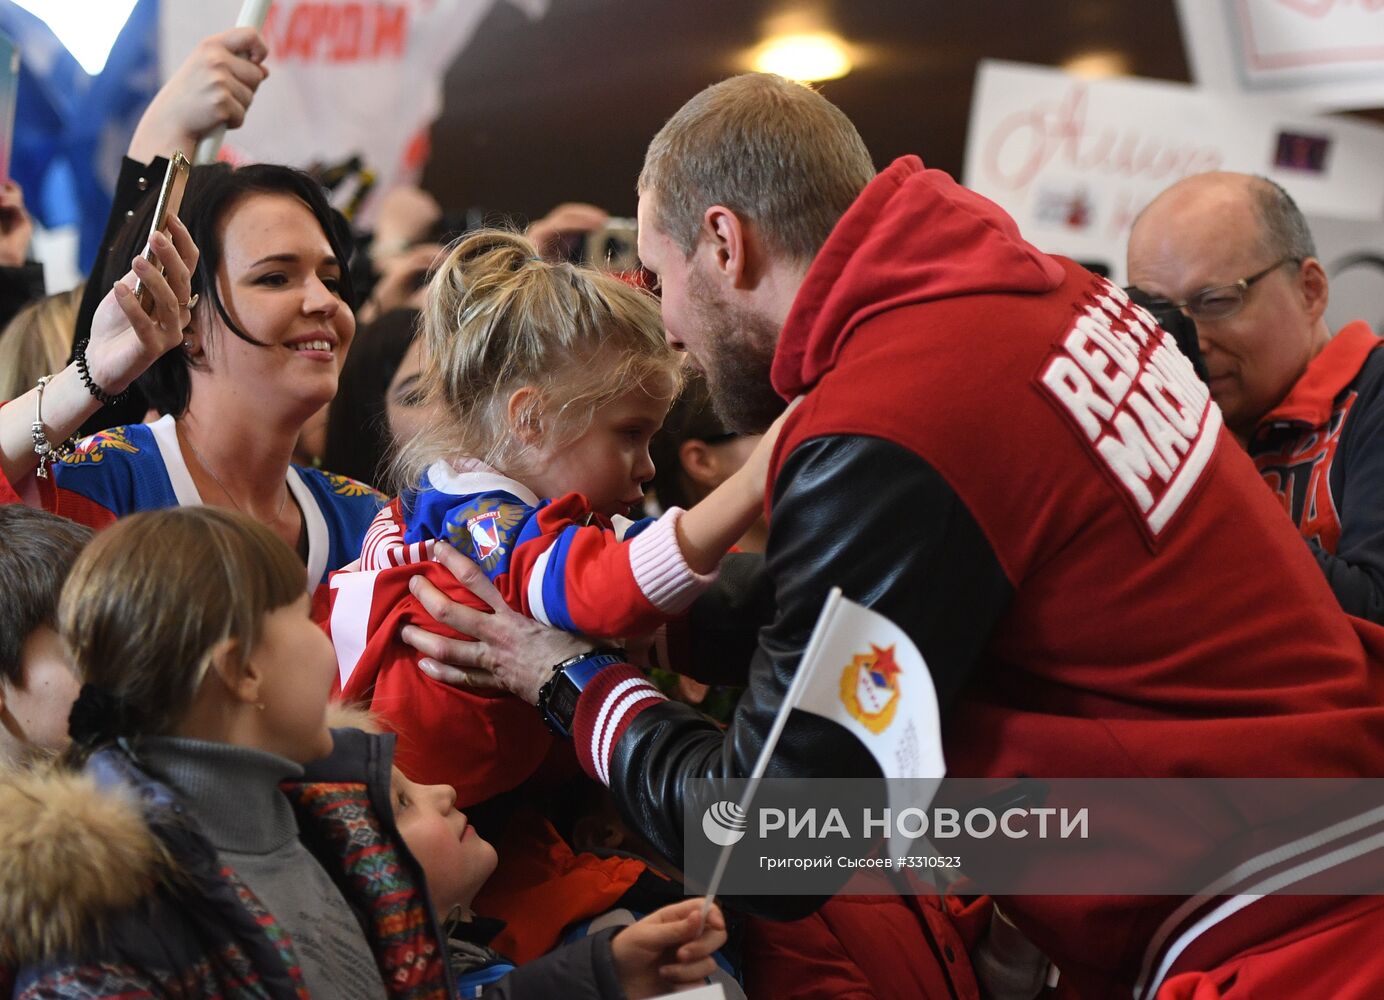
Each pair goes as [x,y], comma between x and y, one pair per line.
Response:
[884,663]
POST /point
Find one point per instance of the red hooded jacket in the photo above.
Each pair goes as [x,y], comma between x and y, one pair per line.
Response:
[1006,458]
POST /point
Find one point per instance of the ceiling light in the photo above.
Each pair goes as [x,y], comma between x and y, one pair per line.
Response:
[805,58]
[87,28]
[1098,65]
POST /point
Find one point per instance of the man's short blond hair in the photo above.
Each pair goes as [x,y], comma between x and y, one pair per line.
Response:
[775,152]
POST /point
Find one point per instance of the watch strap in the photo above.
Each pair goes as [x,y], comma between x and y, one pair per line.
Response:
[581,672]
[573,674]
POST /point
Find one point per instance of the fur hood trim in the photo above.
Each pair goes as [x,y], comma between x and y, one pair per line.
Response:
[70,853]
[344,715]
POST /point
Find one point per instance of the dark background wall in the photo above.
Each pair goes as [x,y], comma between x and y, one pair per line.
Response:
[561,109]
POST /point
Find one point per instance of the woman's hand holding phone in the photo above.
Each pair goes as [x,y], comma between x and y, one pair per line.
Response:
[126,340]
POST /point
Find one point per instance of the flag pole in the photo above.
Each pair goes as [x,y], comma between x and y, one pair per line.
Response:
[814,644]
[252,15]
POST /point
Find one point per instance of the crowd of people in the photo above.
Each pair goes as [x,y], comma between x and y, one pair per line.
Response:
[373,601]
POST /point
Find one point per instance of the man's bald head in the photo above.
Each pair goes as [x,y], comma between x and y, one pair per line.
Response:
[1237,251]
[1282,228]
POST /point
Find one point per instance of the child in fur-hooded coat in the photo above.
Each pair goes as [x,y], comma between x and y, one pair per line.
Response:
[107,890]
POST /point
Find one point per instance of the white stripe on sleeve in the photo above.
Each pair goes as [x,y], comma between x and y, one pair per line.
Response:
[643,691]
[535,588]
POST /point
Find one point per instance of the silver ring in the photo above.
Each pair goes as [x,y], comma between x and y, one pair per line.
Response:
[190,303]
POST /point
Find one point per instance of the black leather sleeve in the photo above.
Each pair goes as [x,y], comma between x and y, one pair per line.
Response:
[878,521]
[723,626]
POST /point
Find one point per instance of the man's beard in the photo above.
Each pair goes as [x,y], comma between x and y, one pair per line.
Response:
[736,357]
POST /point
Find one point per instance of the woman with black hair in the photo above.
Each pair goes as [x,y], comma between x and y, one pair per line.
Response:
[244,343]
[378,405]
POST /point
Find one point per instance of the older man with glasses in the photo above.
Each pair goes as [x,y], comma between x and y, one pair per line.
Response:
[1234,254]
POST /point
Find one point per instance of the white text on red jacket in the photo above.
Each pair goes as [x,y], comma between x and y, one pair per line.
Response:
[1137,403]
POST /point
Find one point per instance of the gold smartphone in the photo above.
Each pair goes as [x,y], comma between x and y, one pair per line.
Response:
[170,200]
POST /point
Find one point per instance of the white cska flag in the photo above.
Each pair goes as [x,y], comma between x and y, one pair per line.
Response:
[860,670]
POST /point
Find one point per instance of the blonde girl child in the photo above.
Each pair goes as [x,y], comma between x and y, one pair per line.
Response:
[194,853]
[548,381]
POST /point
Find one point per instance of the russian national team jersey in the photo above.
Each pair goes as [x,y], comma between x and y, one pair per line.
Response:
[553,560]
[140,467]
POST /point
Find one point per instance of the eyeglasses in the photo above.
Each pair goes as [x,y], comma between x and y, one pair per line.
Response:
[1223,301]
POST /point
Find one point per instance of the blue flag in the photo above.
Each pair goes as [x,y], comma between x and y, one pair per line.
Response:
[71,129]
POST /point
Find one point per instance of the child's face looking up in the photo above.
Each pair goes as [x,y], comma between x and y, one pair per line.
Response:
[609,463]
[454,857]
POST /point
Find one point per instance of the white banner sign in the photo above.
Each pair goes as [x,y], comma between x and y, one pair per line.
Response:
[1327,53]
[348,78]
[1074,161]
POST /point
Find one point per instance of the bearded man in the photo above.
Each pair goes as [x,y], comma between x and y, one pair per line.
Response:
[1000,453]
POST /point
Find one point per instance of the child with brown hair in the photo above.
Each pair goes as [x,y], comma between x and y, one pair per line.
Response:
[37,685]
[669,948]
[174,862]
[221,840]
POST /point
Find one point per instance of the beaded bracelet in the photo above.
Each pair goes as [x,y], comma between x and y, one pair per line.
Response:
[102,397]
[43,448]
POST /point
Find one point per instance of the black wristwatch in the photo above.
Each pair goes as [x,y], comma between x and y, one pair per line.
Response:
[557,699]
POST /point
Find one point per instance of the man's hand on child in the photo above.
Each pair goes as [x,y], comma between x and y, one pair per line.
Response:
[669,948]
[511,652]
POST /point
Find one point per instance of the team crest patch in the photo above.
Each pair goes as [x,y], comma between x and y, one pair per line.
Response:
[94,448]
[344,486]
[870,688]
[484,527]
[485,533]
